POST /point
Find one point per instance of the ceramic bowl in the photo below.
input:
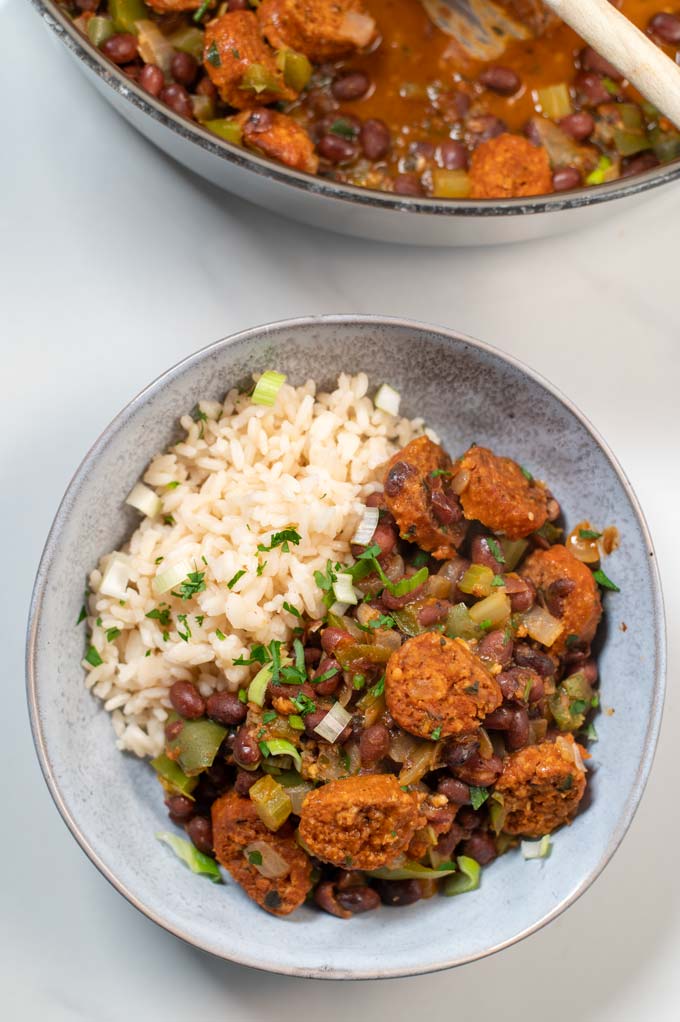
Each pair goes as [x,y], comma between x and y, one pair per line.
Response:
[467,392]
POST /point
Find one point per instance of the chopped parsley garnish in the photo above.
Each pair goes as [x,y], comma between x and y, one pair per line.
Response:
[258,655]
[495,550]
[148,653]
[162,616]
[235,54]
[578,706]
[472,689]
[382,621]
[255,858]
[234,579]
[201,11]
[112,633]
[526,473]
[377,689]
[264,749]
[303,704]
[98,622]
[595,701]
[344,759]
[566,783]
[269,716]
[158,560]
[260,568]
[478,796]
[242,696]
[605,582]
[93,658]
[436,472]
[291,609]
[420,559]
[498,580]
[220,635]
[572,640]
[194,583]
[343,128]
[168,520]
[589,534]
[486,624]
[82,615]
[370,557]
[166,636]
[200,618]
[281,539]
[591,733]
[187,634]
[436,734]
[295,674]
[171,486]
[197,415]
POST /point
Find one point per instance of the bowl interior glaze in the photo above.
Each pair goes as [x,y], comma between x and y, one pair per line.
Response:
[111,802]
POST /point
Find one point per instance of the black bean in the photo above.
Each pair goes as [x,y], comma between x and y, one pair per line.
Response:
[480,553]
[479,772]
[521,591]
[638,164]
[591,60]
[455,791]
[517,734]
[525,656]
[665,27]
[374,744]
[459,750]
[246,750]
[499,719]
[556,593]
[399,892]
[245,779]
[566,178]
[336,149]
[591,88]
[385,536]
[496,646]
[481,847]
[226,708]
[502,80]
[352,85]
[396,477]
[121,48]
[580,125]
[358,899]
[180,807]
[433,612]
[183,68]
[482,127]
[452,155]
[200,831]
[187,700]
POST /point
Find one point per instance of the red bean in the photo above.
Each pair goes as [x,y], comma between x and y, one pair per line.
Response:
[645,161]
[447,842]
[408,184]
[187,700]
[336,149]
[399,892]
[331,638]
[87,5]
[327,687]
[246,750]
[456,792]
[591,60]
[245,779]
[526,656]
[178,99]
[375,499]
[151,78]
[445,506]
[481,553]
[352,85]
[479,772]
[238,5]
[200,831]
[556,593]
[580,125]
[500,719]
[521,591]
[121,48]
[482,127]
[469,819]
[502,80]
[566,178]
[385,536]
[591,88]
[496,646]
[358,898]
[206,88]
[374,744]
[517,735]
[433,612]
[665,27]
[452,155]
[180,807]
[183,68]
[375,139]
[312,720]
[480,847]
[459,750]
[226,708]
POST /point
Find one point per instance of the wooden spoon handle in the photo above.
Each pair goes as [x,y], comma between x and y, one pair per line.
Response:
[647,67]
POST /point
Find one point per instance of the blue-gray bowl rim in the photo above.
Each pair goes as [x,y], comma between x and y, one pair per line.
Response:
[655,710]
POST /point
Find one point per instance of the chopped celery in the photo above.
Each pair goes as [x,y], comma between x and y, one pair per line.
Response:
[466,880]
[196,746]
[666,144]
[630,142]
[195,860]
[571,702]
[257,78]
[271,801]
[188,40]
[494,610]
[412,871]
[126,13]
[227,128]
[459,624]
[172,777]
[450,184]
[203,108]
[99,30]
[555,101]
[477,580]
[631,116]
[513,551]
[497,812]
[347,655]
[296,68]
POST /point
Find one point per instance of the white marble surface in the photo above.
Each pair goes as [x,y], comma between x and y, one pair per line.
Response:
[114,263]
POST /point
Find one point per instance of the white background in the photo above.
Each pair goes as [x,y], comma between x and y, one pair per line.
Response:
[115,263]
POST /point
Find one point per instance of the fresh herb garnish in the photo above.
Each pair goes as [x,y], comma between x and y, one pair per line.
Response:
[171,486]
[420,558]
[382,621]
[260,568]
[291,609]
[82,615]
[200,618]
[187,634]
[578,706]
[343,128]
[254,858]
[220,635]
[201,11]
[605,582]
[526,473]
[281,539]
[269,716]
[566,784]
[377,689]
[330,673]
[158,560]
[213,56]
[162,616]
[589,534]
[242,696]
[591,733]
[436,734]
[93,658]
[297,723]
[478,796]
[436,472]
[495,550]
[303,704]
[234,579]
[194,583]
[258,655]
[235,54]
[112,633]
[168,520]
[498,580]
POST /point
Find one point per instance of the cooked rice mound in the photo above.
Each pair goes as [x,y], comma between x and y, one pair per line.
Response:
[245,472]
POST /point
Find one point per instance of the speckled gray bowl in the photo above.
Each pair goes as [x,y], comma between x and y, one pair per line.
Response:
[467,392]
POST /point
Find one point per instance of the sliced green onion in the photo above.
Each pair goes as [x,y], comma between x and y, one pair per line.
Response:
[266,860]
[343,589]
[366,527]
[536,849]
[466,880]
[170,577]
[513,551]
[126,14]
[282,747]
[144,499]
[189,40]
[257,78]
[338,609]
[196,745]
[387,399]
[153,46]
[478,796]
[99,30]
[189,854]
[173,775]
[334,723]
[258,686]
[267,388]
[412,871]
[116,577]
[407,585]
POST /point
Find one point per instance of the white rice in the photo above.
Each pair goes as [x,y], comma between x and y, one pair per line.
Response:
[244,473]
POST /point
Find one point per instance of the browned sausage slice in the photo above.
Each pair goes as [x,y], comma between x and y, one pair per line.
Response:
[577,603]
[435,685]
[236,825]
[361,822]
[541,786]
[498,494]
[233,45]
[321,29]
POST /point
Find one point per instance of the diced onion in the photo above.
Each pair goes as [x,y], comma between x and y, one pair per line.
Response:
[387,399]
[267,388]
[267,862]
[153,46]
[367,526]
[343,589]
[116,577]
[338,608]
[334,723]
[542,626]
[578,758]
[555,100]
[495,609]
[172,576]
[536,849]
[144,499]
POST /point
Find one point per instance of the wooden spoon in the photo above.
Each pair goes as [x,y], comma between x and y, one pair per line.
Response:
[484,28]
